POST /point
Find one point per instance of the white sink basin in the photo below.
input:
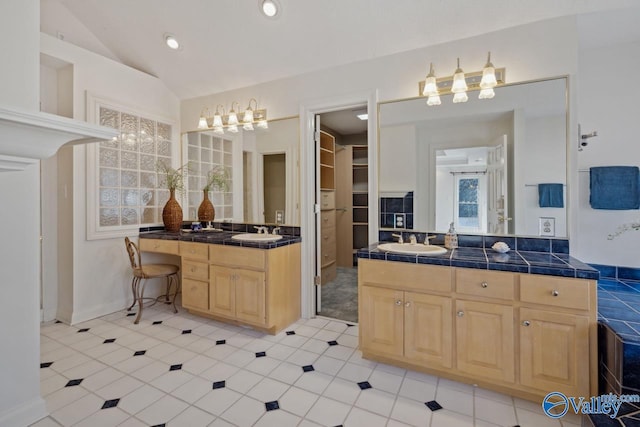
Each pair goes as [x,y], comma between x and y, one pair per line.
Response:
[255,237]
[412,248]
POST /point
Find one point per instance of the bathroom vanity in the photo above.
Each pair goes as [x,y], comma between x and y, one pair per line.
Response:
[248,283]
[512,331]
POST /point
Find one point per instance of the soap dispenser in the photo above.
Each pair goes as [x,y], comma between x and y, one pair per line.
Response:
[451,238]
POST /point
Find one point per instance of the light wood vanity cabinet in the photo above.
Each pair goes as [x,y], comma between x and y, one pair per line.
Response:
[511,332]
[249,286]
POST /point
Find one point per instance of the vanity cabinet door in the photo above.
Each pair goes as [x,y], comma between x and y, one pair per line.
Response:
[485,340]
[195,294]
[250,296]
[428,329]
[554,350]
[222,296]
[382,311]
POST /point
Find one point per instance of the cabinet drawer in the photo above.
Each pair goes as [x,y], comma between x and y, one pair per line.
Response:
[195,270]
[327,219]
[193,250]
[402,275]
[327,200]
[483,283]
[158,245]
[195,294]
[555,291]
[234,256]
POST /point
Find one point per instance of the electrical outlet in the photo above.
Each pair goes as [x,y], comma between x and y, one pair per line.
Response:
[398,220]
[547,226]
[279,217]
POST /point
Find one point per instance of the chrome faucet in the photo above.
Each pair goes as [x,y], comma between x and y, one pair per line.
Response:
[427,238]
[412,239]
[399,236]
[276,230]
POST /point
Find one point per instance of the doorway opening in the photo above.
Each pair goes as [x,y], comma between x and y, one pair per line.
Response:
[274,180]
[344,209]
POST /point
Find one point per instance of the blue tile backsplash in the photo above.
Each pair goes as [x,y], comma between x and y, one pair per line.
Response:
[391,206]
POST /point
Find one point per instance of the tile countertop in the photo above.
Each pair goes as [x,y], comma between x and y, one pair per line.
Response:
[218,238]
[547,263]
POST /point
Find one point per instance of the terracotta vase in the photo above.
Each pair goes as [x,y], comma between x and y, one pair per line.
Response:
[206,211]
[172,213]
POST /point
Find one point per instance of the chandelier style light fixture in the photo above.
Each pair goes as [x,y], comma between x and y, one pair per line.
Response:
[460,83]
[221,120]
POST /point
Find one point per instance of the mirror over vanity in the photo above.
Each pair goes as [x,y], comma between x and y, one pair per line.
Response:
[262,162]
[477,164]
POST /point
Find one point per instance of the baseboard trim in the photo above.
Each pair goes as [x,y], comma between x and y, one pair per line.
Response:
[24,415]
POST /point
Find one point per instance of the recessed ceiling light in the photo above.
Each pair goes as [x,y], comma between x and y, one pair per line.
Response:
[171,41]
[269,8]
[363,116]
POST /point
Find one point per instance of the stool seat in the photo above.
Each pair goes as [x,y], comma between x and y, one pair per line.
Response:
[142,272]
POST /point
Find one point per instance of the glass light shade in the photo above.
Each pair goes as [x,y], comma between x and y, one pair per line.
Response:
[233,128]
[433,100]
[218,130]
[248,116]
[262,124]
[247,126]
[430,87]
[217,121]
[232,119]
[202,123]
[459,82]
[486,93]
[488,78]
[460,97]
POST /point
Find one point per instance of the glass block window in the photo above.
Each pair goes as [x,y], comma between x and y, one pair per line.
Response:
[204,153]
[127,170]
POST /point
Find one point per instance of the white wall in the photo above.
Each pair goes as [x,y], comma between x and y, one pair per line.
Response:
[612,110]
[20,401]
[397,171]
[94,275]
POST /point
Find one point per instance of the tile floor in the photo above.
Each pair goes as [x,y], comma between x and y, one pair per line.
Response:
[184,370]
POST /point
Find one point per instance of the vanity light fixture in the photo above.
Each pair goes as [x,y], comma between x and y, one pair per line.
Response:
[461,82]
[459,87]
[431,88]
[171,41]
[488,81]
[252,115]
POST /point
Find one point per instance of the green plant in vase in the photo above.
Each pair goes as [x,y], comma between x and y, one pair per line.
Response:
[217,178]
[172,179]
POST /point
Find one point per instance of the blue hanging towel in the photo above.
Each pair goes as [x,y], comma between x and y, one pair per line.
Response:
[551,195]
[615,187]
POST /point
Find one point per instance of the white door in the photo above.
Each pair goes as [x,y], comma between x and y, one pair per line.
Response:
[316,210]
[497,198]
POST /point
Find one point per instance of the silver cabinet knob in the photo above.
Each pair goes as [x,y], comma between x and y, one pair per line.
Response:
[526,323]
[484,284]
[407,304]
[398,302]
[460,313]
[555,293]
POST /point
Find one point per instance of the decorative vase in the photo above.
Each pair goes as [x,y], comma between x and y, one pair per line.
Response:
[206,211]
[172,213]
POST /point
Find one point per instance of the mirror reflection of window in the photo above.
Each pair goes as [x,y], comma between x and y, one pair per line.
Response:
[469,198]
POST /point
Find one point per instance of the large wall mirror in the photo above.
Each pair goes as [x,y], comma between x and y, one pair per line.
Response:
[478,164]
[263,170]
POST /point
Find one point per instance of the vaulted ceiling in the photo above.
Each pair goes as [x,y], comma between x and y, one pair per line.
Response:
[228,44]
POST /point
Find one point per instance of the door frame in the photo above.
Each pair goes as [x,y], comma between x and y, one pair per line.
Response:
[309,189]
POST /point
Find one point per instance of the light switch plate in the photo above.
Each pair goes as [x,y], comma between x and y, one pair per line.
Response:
[547,226]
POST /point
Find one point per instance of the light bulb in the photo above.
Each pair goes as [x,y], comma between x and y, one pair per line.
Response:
[269,8]
[172,42]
